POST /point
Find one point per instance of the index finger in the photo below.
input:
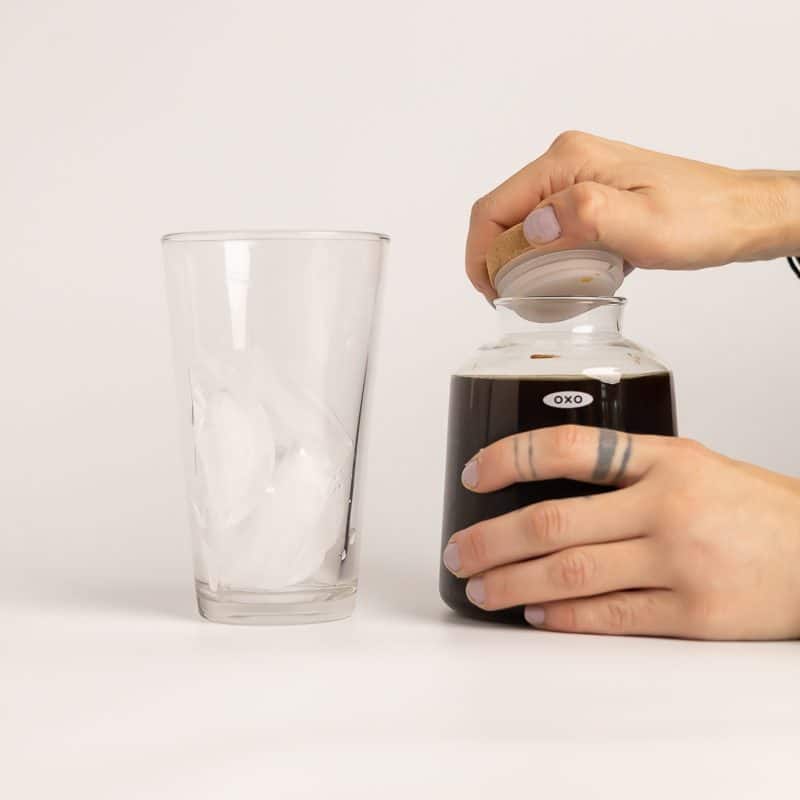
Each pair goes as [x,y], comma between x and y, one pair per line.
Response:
[593,455]
[510,203]
[499,210]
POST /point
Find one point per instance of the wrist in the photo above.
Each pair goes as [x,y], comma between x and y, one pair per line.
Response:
[771,215]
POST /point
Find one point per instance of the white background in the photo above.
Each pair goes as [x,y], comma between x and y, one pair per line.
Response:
[122,121]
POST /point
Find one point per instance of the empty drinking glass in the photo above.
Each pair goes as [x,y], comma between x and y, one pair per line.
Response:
[272,332]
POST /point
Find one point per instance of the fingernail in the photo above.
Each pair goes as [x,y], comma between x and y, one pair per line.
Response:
[476,591]
[451,557]
[469,477]
[541,226]
[534,615]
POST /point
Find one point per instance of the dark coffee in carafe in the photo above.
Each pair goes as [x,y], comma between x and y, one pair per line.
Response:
[602,385]
[483,410]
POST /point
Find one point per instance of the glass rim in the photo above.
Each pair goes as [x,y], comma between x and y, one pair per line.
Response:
[613,301]
[245,235]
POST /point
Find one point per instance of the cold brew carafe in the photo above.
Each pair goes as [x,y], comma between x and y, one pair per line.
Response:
[558,360]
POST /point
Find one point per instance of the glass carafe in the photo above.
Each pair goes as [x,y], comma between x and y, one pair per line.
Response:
[559,360]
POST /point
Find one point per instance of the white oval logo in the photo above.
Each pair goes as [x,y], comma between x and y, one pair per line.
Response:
[568,399]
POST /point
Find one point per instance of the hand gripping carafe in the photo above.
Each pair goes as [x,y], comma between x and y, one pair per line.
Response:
[559,360]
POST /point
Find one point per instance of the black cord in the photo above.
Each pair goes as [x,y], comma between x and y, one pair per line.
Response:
[794,263]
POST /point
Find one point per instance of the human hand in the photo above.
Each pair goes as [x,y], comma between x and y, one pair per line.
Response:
[692,545]
[655,210]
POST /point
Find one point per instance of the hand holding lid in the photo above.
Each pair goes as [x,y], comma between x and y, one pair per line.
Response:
[516,269]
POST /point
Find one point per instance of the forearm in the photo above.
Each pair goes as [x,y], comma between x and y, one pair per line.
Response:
[770,204]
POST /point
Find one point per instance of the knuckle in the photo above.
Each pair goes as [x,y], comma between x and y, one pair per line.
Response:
[567,439]
[573,571]
[497,589]
[547,524]
[689,557]
[567,618]
[482,207]
[682,505]
[703,616]
[475,547]
[678,507]
[619,615]
[572,141]
[589,201]
[681,472]
[689,447]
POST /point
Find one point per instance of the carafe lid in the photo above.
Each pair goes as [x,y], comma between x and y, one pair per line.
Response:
[576,273]
[518,269]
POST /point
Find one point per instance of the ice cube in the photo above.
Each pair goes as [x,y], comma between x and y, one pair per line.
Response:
[274,467]
[304,516]
[236,457]
[301,520]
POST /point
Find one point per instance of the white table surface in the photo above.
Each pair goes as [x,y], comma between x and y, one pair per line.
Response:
[109,691]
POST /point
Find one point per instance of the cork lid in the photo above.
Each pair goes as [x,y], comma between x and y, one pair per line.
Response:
[517,269]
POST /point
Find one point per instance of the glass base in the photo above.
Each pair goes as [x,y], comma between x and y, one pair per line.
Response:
[290,607]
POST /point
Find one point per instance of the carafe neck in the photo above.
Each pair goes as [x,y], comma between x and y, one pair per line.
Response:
[591,317]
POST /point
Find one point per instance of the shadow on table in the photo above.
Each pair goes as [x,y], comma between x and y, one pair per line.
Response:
[409,589]
[406,587]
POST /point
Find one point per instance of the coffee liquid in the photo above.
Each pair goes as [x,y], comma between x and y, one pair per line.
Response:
[483,410]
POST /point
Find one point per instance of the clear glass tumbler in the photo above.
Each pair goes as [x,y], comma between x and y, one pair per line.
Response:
[272,332]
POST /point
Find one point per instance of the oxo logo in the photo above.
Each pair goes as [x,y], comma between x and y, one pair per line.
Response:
[568,399]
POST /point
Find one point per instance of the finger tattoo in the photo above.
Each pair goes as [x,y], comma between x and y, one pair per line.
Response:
[530,455]
[516,459]
[606,448]
[626,457]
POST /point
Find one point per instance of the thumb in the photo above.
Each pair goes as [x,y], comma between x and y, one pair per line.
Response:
[621,221]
